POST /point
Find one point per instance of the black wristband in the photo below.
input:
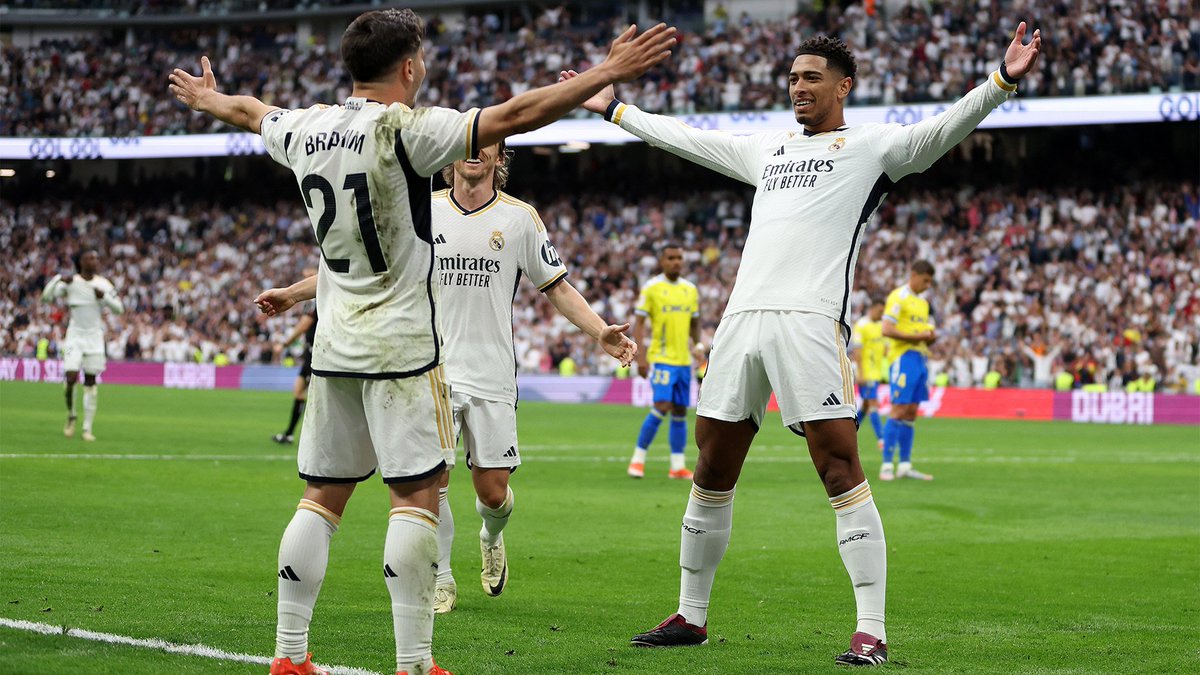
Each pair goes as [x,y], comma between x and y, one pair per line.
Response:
[1005,76]
[612,108]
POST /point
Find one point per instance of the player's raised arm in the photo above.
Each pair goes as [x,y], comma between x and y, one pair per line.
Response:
[55,288]
[733,156]
[913,149]
[631,55]
[200,94]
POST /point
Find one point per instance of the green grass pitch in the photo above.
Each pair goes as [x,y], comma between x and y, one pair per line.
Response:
[1039,548]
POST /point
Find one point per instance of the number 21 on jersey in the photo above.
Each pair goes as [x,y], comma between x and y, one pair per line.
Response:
[366,220]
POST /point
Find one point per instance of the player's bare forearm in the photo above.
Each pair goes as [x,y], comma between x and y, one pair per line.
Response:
[629,57]
[568,301]
[914,338]
[243,112]
[279,300]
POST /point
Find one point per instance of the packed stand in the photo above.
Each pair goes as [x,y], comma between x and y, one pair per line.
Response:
[108,86]
[1104,286]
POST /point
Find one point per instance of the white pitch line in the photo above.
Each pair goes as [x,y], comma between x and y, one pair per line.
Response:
[160,645]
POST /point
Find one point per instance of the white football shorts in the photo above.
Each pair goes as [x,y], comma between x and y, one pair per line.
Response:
[86,355]
[488,430]
[353,426]
[799,355]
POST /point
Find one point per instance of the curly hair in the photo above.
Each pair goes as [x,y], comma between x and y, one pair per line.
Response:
[836,54]
[499,178]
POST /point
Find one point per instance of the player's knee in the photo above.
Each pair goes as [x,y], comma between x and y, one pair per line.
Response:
[663,407]
[837,475]
[493,496]
[679,410]
[89,380]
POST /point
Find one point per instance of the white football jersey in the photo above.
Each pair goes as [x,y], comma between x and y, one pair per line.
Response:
[482,255]
[364,172]
[86,324]
[815,193]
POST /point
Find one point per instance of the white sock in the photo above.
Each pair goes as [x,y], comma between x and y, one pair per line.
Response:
[445,535]
[303,556]
[864,553]
[677,461]
[707,524]
[410,556]
[495,519]
[639,456]
[89,407]
[904,467]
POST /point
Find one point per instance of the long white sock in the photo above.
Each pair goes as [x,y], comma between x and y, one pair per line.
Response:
[303,557]
[864,553]
[410,556]
[445,536]
[707,524]
[89,407]
[495,519]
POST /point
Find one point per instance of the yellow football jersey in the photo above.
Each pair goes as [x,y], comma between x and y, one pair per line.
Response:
[670,307]
[910,313]
[868,335]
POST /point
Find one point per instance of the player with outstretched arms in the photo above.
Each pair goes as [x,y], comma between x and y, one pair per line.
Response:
[784,328]
[379,399]
[870,351]
[87,293]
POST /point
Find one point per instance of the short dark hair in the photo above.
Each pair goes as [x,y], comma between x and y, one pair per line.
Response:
[376,41]
[668,244]
[922,267]
[837,54]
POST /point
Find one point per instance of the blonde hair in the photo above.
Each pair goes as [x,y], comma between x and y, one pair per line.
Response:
[499,176]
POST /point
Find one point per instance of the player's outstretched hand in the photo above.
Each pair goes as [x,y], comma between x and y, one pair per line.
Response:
[632,56]
[275,301]
[190,89]
[618,346]
[598,103]
[1020,58]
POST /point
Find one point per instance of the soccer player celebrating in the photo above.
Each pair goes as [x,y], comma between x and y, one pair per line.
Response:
[784,328]
[672,304]
[486,241]
[379,394]
[86,293]
[306,326]
[909,331]
[870,349]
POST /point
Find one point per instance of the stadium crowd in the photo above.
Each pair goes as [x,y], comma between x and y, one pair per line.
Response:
[111,84]
[1104,286]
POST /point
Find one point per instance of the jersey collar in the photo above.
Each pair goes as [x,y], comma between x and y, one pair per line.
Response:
[464,211]
[818,133]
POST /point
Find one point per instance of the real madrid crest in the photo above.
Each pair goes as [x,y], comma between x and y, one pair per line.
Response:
[497,240]
[838,144]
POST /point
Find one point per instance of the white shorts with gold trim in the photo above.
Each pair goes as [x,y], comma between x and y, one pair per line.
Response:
[488,430]
[799,355]
[403,428]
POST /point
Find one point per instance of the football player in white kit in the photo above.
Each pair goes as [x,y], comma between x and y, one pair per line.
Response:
[486,241]
[379,399]
[785,327]
[83,349]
